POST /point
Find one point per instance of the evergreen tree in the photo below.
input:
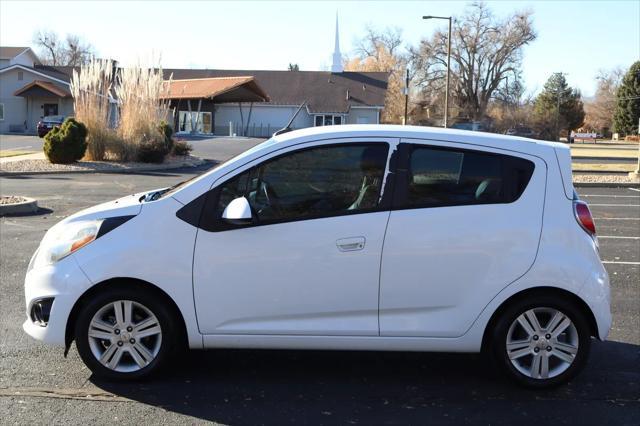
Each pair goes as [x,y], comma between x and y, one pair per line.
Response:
[627,113]
[558,107]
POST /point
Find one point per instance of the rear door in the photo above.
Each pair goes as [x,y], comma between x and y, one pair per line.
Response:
[465,223]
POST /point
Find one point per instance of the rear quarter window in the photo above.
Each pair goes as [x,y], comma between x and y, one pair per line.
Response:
[437,176]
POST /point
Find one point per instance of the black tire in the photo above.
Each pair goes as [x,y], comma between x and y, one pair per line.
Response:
[157,305]
[499,339]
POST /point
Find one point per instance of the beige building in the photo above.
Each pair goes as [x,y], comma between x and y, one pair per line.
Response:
[29,91]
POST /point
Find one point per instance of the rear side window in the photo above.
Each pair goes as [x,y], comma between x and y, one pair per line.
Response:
[438,177]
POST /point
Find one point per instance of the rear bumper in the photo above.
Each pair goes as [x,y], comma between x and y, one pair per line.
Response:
[597,294]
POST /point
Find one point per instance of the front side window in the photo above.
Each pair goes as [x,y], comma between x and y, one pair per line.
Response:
[311,183]
[447,177]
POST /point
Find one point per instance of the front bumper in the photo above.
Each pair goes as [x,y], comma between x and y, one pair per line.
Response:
[65,283]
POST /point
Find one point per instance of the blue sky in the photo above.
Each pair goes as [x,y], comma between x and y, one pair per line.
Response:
[575,37]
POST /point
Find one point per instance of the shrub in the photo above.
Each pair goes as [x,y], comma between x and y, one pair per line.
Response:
[182,148]
[67,143]
[152,150]
[167,131]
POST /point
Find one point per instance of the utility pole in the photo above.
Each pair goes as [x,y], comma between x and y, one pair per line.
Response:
[406,97]
[446,93]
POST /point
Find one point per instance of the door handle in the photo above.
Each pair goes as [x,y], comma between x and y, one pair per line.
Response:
[351,244]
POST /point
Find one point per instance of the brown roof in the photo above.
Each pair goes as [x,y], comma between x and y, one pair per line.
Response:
[323,91]
[244,87]
[8,52]
[44,85]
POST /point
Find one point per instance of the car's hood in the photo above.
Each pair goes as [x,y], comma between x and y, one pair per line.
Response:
[125,206]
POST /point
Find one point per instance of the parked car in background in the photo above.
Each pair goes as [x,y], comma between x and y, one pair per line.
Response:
[49,122]
[475,126]
[486,248]
[522,131]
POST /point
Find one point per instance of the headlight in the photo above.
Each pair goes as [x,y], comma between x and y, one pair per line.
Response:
[63,241]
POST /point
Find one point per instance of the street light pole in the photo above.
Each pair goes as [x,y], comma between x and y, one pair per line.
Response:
[446,93]
[406,97]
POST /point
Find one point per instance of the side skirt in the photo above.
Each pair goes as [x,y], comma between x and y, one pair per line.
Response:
[350,343]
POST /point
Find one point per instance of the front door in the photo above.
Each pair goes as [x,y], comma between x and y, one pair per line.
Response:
[50,109]
[464,225]
[309,264]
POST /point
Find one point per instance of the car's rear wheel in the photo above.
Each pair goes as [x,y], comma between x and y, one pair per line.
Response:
[125,334]
[541,341]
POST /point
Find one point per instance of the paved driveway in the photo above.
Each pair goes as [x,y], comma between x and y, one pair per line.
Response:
[39,386]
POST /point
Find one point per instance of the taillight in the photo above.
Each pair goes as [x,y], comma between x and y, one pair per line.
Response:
[583,216]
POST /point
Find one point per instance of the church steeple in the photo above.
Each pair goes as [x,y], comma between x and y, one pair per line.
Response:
[337,57]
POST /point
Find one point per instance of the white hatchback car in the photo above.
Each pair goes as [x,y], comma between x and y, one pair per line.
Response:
[341,237]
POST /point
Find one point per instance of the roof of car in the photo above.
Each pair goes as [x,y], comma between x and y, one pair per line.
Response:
[417,132]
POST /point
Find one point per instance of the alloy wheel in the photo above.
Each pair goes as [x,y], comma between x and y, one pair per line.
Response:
[542,343]
[125,336]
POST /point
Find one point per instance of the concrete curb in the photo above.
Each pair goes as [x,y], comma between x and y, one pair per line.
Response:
[29,205]
[619,159]
[606,185]
[160,168]
[599,172]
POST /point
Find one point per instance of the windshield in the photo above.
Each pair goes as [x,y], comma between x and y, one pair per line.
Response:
[166,192]
[52,119]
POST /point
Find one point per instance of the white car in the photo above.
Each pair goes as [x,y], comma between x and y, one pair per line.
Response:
[360,237]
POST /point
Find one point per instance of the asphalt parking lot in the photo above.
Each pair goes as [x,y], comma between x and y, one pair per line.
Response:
[39,386]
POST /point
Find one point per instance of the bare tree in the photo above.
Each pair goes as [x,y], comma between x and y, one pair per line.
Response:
[53,50]
[599,110]
[485,51]
[381,51]
[77,51]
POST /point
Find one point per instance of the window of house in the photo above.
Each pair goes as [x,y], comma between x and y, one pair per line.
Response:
[1,112]
[327,120]
[20,75]
[199,122]
[446,177]
[311,183]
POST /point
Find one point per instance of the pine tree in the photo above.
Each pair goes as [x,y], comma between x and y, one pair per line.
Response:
[558,107]
[627,113]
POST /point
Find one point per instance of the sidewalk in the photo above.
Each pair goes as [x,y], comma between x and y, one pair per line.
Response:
[34,156]
[603,152]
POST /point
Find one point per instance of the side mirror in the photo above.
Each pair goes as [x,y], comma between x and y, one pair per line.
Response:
[238,212]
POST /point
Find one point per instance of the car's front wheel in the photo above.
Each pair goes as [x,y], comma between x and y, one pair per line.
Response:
[542,341]
[125,334]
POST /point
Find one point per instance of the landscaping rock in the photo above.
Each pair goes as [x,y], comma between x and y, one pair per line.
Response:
[44,166]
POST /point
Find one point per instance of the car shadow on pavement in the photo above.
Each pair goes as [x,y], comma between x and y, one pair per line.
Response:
[283,387]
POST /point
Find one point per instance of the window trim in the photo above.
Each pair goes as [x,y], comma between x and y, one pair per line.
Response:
[208,201]
[2,108]
[402,179]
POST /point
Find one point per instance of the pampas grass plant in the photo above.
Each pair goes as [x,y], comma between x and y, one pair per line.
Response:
[91,88]
[142,107]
